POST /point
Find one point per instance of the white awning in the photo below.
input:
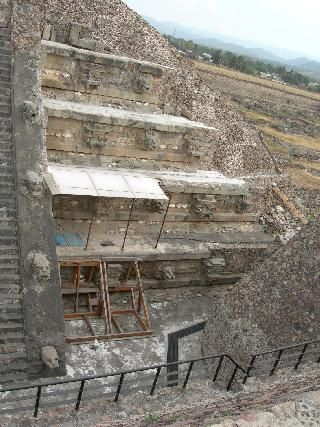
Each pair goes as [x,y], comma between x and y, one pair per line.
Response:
[97,182]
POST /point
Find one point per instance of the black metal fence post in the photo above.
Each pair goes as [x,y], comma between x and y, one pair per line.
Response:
[37,404]
[276,363]
[218,369]
[253,359]
[232,378]
[301,356]
[188,375]
[119,388]
[80,394]
[297,352]
[154,384]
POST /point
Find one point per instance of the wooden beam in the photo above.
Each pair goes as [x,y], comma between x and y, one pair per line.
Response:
[116,324]
[79,316]
[89,324]
[140,321]
[104,292]
[81,340]
[124,311]
[76,303]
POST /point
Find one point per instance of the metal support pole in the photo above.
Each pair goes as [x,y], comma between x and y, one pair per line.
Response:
[119,388]
[218,369]
[80,394]
[129,219]
[253,359]
[276,363]
[154,384]
[91,222]
[188,375]
[36,407]
[163,222]
[232,378]
[301,356]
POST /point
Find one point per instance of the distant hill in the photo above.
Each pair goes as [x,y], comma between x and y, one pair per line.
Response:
[240,50]
[303,64]
[255,50]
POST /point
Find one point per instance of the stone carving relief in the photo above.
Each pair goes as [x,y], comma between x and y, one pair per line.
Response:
[194,148]
[203,206]
[214,265]
[140,84]
[40,266]
[155,206]
[243,205]
[49,357]
[151,140]
[167,273]
[34,183]
[91,75]
[97,136]
[31,112]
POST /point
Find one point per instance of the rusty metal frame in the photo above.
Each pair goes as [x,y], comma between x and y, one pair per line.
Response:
[113,329]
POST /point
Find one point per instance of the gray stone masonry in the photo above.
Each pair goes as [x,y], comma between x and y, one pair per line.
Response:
[13,364]
[43,313]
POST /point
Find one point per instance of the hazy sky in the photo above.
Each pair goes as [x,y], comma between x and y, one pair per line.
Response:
[291,24]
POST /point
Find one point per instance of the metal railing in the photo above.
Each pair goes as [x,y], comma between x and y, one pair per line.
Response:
[147,378]
[113,385]
[293,355]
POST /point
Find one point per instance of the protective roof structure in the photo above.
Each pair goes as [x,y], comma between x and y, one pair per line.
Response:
[97,182]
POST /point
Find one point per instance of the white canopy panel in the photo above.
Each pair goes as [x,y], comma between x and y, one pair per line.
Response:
[71,180]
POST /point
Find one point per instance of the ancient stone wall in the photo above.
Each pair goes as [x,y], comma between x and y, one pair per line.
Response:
[40,277]
[235,150]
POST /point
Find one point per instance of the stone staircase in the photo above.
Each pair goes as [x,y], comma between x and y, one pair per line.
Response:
[13,360]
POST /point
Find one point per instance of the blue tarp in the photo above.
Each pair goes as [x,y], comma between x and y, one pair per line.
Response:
[69,239]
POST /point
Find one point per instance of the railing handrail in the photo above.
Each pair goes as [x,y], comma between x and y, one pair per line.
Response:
[172,377]
[288,347]
[122,372]
[152,367]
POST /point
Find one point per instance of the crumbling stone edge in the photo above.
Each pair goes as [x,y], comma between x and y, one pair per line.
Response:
[42,302]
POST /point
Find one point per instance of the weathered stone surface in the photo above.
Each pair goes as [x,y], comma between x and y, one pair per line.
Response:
[237,149]
[40,266]
[34,183]
[31,112]
[108,78]
[50,357]
[276,305]
[43,312]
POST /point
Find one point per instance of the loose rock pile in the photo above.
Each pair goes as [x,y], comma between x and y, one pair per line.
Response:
[275,305]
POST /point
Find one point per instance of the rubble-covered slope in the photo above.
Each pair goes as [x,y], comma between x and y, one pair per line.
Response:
[235,148]
[277,304]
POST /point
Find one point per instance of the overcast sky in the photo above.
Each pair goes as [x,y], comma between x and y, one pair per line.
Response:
[291,24]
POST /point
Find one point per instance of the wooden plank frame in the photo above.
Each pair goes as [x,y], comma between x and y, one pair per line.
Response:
[113,329]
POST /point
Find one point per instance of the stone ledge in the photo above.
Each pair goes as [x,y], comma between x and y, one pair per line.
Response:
[113,116]
[60,49]
[174,249]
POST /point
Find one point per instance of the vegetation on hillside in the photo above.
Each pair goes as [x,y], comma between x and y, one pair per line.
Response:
[243,63]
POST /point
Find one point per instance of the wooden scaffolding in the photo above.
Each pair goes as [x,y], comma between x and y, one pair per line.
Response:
[89,282]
